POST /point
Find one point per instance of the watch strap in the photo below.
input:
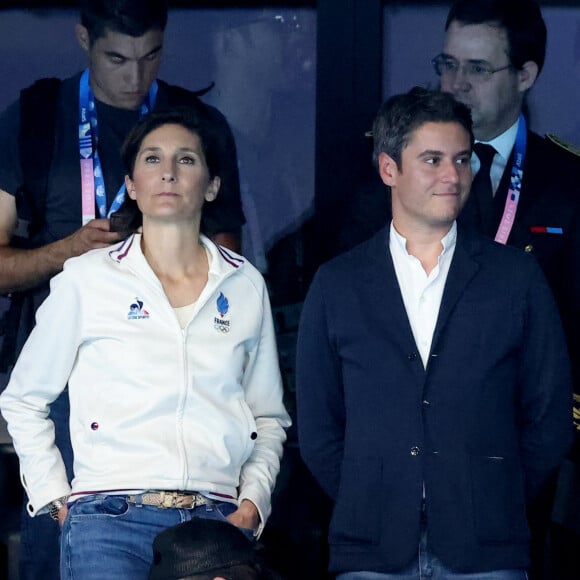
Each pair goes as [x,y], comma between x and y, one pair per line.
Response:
[55,506]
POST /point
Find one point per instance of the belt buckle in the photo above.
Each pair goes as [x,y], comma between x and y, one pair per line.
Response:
[168,500]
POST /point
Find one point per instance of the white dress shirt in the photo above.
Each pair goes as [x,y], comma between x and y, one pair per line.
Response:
[421,293]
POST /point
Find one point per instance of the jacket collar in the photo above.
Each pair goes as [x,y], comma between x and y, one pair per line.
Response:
[379,279]
[464,267]
[222,261]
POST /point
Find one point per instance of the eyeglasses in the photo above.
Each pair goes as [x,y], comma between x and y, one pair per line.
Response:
[474,71]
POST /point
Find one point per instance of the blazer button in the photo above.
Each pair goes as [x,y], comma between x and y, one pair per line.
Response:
[414,451]
[529,248]
[412,356]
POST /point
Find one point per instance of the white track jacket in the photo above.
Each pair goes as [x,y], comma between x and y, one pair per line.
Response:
[152,406]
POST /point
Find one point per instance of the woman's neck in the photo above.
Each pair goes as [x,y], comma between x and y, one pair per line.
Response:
[170,247]
[179,260]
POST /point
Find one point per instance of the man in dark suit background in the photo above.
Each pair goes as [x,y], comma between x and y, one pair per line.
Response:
[492,56]
[432,377]
[493,53]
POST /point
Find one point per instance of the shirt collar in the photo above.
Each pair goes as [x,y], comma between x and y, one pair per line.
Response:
[399,243]
[504,143]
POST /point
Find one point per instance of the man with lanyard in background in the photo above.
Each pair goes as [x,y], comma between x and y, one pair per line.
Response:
[72,207]
[526,189]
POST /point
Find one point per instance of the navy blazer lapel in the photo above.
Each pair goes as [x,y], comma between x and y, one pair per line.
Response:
[462,270]
[380,279]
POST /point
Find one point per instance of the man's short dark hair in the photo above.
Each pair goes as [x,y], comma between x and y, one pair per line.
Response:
[521,19]
[131,17]
[401,115]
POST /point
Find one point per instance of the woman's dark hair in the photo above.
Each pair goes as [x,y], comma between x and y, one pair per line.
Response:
[197,121]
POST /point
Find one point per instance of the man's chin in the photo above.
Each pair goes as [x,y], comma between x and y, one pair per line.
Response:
[131,101]
[128,101]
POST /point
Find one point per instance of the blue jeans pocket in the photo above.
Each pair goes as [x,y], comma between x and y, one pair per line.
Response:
[95,506]
[222,510]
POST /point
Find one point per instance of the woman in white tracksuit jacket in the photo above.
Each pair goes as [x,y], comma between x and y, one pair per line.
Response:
[167,344]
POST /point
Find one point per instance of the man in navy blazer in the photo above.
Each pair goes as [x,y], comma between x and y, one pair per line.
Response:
[433,381]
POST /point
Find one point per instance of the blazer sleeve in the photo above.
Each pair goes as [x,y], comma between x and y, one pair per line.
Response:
[545,388]
[320,400]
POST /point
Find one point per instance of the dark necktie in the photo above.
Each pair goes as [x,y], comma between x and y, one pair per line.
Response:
[481,189]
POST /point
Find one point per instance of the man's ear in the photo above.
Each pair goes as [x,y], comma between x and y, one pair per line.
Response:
[388,169]
[82,35]
[130,187]
[213,189]
[527,76]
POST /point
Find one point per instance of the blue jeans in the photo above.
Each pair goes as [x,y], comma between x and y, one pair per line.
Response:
[427,567]
[106,538]
[40,535]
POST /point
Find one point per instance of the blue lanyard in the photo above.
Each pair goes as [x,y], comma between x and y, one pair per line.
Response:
[88,151]
[516,176]
[519,155]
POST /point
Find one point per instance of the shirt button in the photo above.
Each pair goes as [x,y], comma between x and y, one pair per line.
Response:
[414,451]
[426,403]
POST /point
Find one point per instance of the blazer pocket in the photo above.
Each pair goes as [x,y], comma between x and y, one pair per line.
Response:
[498,499]
[356,517]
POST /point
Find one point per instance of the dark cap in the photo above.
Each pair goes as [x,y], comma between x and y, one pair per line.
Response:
[197,547]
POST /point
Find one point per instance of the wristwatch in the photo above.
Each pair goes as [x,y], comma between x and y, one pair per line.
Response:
[55,506]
